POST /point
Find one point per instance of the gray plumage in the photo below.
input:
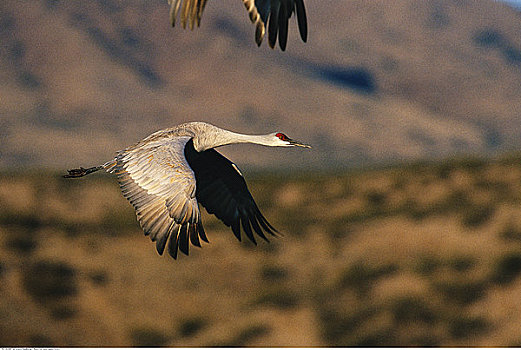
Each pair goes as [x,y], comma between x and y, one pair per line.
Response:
[166,175]
[277,12]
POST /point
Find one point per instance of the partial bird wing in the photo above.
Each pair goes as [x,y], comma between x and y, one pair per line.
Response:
[221,189]
[191,11]
[277,12]
[157,180]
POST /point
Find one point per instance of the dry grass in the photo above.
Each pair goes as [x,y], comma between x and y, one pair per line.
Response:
[421,254]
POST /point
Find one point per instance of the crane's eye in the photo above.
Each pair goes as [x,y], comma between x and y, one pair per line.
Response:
[282,136]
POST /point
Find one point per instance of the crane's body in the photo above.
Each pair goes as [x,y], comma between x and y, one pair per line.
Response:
[271,14]
[166,175]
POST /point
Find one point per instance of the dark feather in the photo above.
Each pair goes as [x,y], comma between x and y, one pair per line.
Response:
[266,225]
[236,229]
[194,237]
[263,7]
[275,15]
[273,25]
[283,25]
[302,20]
[257,228]
[202,4]
[173,244]
[160,244]
[201,232]
[247,227]
[183,239]
[224,193]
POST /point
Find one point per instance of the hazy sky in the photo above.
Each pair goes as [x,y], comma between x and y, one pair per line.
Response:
[514,2]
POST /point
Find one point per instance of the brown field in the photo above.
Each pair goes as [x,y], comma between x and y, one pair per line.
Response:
[418,254]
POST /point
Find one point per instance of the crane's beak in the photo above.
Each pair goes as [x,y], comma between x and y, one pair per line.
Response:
[298,143]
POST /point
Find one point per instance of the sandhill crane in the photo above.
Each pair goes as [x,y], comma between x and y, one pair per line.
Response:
[166,175]
[277,12]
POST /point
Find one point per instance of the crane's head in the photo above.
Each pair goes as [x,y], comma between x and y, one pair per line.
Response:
[280,139]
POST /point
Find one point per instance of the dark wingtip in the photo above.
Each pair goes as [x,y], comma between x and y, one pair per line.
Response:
[160,244]
[172,246]
[202,234]
[273,25]
[259,33]
[236,229]
[283,26]
[246,226]
[264,223]
[302,20]
[183,239]
[256,227]
[194,236]
[173,242]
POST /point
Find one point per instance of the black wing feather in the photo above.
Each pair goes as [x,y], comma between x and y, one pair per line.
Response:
[194,237]
[183,239]
[245,220]
[173,244]
[257,228]
[223,192]
[283,24]
[302,19]
[276,14]
[236,228]
[273,25]
[263,7]
[202,234]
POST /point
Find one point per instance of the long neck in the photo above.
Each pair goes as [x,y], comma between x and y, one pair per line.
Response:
[225,137]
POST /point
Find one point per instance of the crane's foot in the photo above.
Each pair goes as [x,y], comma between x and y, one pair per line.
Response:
[81,172]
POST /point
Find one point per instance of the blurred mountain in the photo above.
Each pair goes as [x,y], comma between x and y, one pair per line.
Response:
[377,81]
[514,3]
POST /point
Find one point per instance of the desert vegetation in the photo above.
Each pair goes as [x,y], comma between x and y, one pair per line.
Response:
[426,253]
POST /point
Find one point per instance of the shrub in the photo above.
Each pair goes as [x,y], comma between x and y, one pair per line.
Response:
[360,276]
[273,273]
[63,312]
[467,326]
[251,333]
[511,233]
[147,337]
[191,326]
[507,268]
[412,309]
[461,292]
[48,280]
[279,298]
[477,215]
[427,265]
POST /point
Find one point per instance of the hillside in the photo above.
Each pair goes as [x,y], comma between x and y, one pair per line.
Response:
[377,81]
[413,255]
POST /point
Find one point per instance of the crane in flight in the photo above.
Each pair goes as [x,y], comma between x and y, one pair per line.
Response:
[273,14]
[166,175]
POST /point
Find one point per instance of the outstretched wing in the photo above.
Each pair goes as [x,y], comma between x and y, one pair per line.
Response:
[277,12]
[159,183]
[221,189]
